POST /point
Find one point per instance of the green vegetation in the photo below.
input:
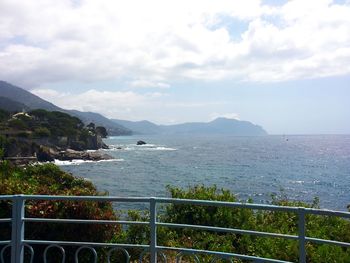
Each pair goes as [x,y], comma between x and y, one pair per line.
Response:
[277,222]
[4,115]
[41,132]
[101,131]
[49,179]
[57,123]
[28,132]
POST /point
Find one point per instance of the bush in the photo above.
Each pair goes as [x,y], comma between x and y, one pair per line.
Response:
[4,143]
[18,124]
[48,179]
[4,115]
[267,221]
[101,131]
[41,132]
[333,228]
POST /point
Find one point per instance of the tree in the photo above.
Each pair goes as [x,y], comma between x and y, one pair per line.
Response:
[101,131]
[91,126]
[41,132]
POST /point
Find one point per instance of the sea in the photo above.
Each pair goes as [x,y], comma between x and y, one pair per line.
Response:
[296,167]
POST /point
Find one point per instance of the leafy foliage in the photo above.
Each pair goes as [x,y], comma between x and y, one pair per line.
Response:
[41,132]
[101,131]
[4,115]
[333,228]
[53,129]
[58,123]
[48,179]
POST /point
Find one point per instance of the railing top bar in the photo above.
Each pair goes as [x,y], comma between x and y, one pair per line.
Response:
[180,201]
[87,198]
[255,206]
[326,212]
[6,197]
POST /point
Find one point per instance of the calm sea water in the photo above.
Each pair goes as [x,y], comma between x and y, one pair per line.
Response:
[300,167]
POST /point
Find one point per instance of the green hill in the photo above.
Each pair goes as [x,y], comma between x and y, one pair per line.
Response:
[21,97]
[45,134]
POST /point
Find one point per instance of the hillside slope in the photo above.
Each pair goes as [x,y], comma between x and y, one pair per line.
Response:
[31,101]
[140,127]
[11,105]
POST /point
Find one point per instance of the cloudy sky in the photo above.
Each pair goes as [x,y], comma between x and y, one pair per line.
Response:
[282,64]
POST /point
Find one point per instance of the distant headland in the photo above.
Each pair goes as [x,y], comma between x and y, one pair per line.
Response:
[14,99]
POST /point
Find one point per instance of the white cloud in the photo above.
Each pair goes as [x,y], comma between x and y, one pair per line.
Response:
[111,104]
[140,83]
[131,105]
[155,42]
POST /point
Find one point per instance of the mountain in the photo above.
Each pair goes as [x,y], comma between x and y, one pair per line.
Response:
[140,127]
[24,99]
[11,105]
[14,98]
[218,126]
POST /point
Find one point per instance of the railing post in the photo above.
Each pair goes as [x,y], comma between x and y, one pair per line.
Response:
[17,229]
[153,220]
[301,228]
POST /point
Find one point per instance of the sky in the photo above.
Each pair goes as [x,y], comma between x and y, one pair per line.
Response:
[284,65]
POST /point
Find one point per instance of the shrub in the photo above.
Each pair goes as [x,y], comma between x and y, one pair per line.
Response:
[4,144]
[269,221]
[101,131]
[48,179]
[41,132]
[4,115]
[17,124]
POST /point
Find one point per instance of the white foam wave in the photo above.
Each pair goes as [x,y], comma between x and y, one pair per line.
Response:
[154,148]
[297,182]
[114,148]
[160,148]
[145,147]
[79,161]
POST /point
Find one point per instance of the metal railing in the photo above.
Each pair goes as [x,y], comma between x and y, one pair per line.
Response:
[18,242]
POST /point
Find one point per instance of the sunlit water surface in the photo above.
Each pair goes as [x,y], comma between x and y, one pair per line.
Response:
[300,167]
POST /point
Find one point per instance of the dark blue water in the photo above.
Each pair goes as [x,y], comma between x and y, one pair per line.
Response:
[300,167]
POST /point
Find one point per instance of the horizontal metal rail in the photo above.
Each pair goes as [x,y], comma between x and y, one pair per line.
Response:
[327,242]
[291,209]
[224,255]
[228,230]
[18,221]
[84,221]
[87,198]
[88,244]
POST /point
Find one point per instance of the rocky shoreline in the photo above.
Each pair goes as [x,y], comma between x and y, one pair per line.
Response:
[70,154]
[50,154]
[67,155]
